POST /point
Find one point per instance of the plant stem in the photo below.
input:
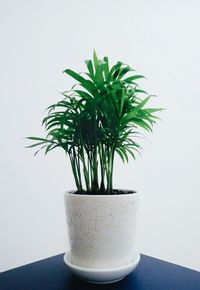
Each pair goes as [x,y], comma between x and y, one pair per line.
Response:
[74,170]
[101,157]
[95,183]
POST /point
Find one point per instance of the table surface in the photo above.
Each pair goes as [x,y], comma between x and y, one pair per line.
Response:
[52,274]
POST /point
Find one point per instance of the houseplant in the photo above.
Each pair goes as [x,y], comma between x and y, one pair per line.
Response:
[98,118]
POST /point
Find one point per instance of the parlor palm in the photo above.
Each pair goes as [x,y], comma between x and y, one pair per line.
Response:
[99,117]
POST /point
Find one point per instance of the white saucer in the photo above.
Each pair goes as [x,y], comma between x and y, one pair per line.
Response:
[102,276]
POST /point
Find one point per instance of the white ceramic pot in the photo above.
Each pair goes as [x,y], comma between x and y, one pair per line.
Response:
[101,229]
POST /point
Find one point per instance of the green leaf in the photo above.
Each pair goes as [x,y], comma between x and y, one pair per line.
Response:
[53,125]
[95,59]
[36,144]
[129,117]
[99,72]
[39,150]
[120,154]
[130,152]
[142,103]
[124,71]
[141,91]
[123,149]
[84,95]
[88,85]
[133,78]
[36,139]
[90,68]
[142,124]
[50,147]
[152,110]
[115,68]
[106,67]
[122,99]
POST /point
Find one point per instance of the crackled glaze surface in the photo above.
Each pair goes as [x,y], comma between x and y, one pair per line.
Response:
[101,229]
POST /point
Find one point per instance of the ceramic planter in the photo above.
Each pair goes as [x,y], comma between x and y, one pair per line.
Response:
[101,229]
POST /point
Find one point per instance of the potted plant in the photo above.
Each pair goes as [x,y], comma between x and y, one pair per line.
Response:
[98,118]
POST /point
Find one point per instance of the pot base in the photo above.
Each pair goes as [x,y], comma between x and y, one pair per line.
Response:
[102,276]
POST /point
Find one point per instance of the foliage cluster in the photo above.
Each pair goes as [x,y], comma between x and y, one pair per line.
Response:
[98,117]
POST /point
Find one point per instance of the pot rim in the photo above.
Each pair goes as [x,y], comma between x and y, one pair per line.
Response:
[70,193]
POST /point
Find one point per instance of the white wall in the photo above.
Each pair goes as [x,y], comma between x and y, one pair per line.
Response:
[161,40]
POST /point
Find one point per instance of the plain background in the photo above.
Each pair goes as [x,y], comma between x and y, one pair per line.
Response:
[38,40]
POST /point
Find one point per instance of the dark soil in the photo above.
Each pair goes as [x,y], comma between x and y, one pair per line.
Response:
[114,192]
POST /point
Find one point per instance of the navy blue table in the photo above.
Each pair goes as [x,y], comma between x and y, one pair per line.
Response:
[52,274]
